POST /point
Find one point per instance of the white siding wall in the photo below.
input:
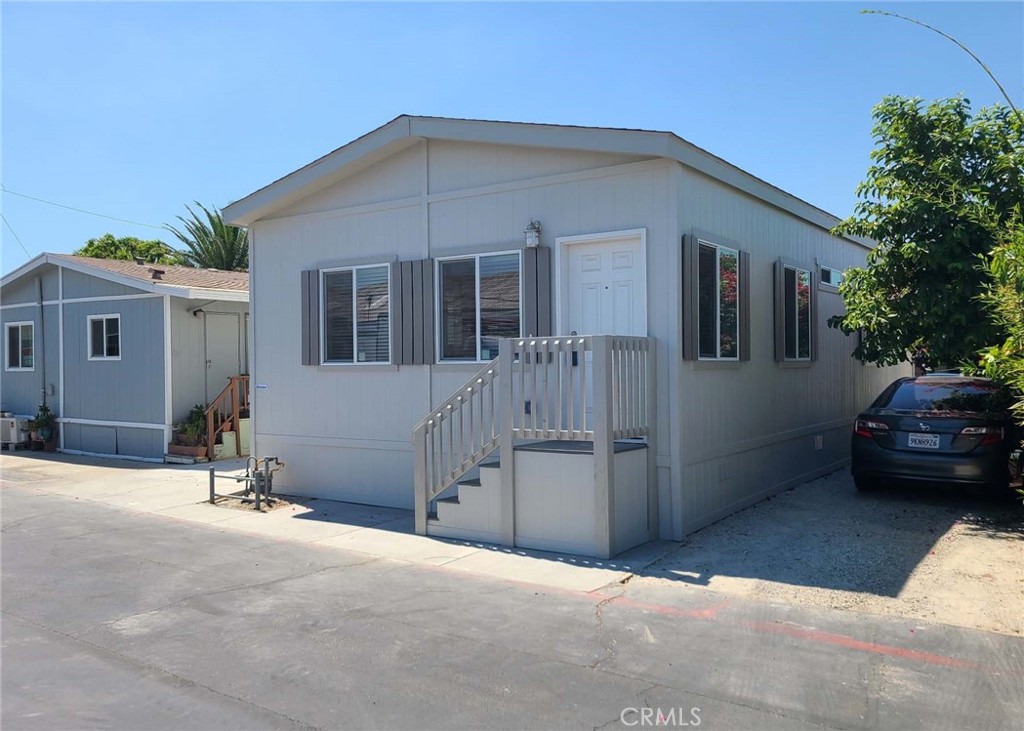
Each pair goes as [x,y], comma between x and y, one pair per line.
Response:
[345,431]
[748,429]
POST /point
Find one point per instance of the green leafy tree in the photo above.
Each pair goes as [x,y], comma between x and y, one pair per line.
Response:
[128,248]
[941,188]
[210,243]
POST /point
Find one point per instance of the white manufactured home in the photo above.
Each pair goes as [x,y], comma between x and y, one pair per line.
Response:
[552,337]
[120,351]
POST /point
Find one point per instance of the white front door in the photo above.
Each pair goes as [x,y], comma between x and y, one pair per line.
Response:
[604,284]
[223,351]
[603,291]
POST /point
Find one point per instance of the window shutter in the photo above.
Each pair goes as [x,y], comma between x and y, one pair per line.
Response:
[412,310]
[689,274]
[780,312]
[814,315]
[744,287]
[537,291]
[397,304]
[310,315]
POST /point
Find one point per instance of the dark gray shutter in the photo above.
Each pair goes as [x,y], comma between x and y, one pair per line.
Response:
[744,292]
[814,315]
[396,304]
[780,312]
[537,292]
[689,281]
[412,307]
[310,316]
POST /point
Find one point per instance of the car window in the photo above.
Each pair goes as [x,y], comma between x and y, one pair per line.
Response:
[972,396]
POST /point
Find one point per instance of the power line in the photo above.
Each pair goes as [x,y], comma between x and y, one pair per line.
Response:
[16,237]
[79,210]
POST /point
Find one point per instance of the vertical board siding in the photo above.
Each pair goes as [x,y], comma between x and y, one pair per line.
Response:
[24,289]
[130,389]
[77,284]
[21,392]
[757,421]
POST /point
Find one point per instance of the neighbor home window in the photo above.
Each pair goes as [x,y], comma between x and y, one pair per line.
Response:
[356,314]
[21,346]
[478,303]
[104,337]
[796,309]
[718,320]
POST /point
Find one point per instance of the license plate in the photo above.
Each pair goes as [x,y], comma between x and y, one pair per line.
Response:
[923,441]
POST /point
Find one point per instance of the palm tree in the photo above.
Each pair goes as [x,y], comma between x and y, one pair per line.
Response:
[210,243]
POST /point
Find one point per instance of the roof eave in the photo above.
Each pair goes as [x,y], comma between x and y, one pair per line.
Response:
[156,287]
[404,130]
[320,172]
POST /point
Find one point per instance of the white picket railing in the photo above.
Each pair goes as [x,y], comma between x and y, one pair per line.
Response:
[585,388]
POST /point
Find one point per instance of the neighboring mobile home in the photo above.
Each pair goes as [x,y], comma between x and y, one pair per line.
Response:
[119,350]
[456,281]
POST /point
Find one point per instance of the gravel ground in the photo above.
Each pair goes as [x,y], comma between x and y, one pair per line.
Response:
[924,552]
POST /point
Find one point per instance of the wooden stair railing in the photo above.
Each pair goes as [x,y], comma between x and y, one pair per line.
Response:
[225,409]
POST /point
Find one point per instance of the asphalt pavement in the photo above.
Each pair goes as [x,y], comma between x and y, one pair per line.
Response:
[123,620]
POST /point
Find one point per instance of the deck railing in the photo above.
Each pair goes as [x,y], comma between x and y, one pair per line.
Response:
[596,388]
[225,410]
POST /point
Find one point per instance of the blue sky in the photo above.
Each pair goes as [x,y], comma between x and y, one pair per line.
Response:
[133,110]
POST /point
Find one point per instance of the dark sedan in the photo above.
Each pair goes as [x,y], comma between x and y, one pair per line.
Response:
[940,428]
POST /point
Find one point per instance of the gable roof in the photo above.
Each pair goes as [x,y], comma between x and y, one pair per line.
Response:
[176,281]
[406,130]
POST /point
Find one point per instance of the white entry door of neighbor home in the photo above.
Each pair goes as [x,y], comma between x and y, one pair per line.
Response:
[223,351]
[602,289]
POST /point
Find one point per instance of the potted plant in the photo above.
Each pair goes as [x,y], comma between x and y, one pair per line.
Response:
[44,423]
[191,433]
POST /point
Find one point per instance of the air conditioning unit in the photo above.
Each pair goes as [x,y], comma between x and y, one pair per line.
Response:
[13,430]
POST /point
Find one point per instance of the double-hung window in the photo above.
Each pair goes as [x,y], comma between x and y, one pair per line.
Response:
[21,346]
[356,314]
[104,337]
[718,302]
[796,313]
[479,302]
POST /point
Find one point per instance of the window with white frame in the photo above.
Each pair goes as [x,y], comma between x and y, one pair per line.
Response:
[831,277]
[104,337]
[21,346]
[718,293]
[796,309]
[356,314]
[479,303]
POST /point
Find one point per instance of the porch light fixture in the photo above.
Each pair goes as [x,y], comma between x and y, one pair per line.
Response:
[533,234]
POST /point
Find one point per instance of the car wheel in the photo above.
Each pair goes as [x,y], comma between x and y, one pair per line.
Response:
[866,484]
